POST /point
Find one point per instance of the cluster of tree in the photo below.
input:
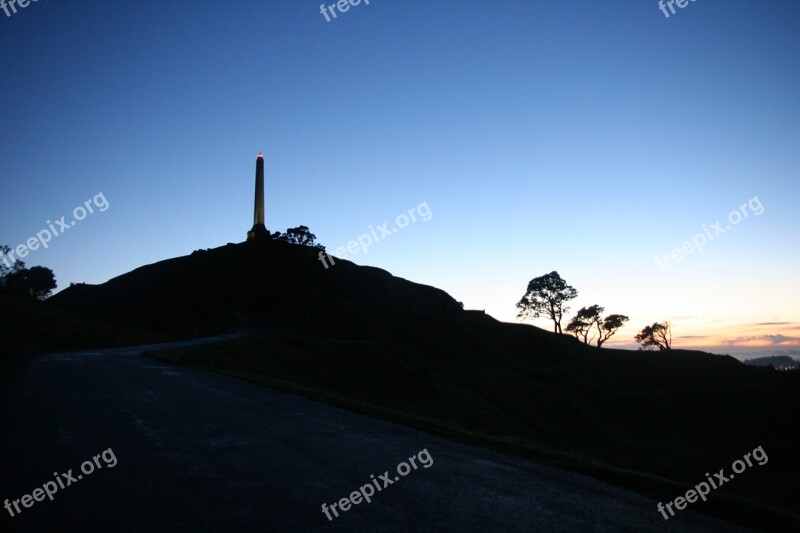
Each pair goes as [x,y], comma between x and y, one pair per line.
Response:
[548,295]
[300,235]
[35,283]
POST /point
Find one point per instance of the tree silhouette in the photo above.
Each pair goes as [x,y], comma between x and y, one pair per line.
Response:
[608,327]
[3,252]
[581,324]
[6,269]
[658,335]
[587,319]
[546,296]
[300,236]
[35,283]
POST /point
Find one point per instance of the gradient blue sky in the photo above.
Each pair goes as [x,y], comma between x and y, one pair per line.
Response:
[584,137]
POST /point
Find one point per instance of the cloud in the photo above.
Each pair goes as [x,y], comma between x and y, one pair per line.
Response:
[771,339]
[693,337]
[780,339]
[773,324]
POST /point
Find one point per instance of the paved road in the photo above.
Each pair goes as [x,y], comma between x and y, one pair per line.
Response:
[196,451]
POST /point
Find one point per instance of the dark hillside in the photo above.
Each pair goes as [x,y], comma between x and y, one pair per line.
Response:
[271,282]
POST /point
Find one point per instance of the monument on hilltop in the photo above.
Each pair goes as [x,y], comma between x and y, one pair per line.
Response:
[259,230]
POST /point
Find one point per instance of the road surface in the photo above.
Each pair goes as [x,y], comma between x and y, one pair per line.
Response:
[195,451]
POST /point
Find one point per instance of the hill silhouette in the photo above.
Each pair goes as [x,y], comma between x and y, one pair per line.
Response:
[366,340]
[271,282]
[774,360]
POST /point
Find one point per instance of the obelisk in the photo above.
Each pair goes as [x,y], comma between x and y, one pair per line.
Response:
[259,230]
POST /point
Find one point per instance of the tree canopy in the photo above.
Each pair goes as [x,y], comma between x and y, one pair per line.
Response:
[581,324]
[300,235]
[609,326]
[658,335]
[588,320]
[547,296]
[35,283]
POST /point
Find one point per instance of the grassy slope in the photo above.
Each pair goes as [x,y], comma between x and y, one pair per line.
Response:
[28,329]
[655,422]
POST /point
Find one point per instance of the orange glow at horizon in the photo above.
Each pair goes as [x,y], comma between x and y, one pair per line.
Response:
[736,337]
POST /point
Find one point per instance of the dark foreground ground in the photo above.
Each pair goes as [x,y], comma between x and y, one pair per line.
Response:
[197,451]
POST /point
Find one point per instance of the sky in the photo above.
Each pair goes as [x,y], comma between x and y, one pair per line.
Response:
[595,139]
